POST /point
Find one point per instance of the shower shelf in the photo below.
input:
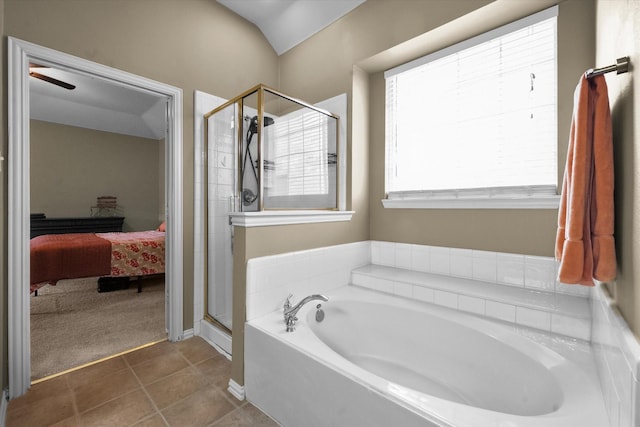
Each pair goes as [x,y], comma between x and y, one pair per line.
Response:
[268,218]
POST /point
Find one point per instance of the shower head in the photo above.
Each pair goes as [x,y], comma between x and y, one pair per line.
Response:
[248,197]
[253,126]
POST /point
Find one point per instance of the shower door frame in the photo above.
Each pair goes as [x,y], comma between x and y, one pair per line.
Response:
[260,90]
[205,205]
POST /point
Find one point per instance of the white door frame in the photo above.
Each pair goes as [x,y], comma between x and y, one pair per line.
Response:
[20,53]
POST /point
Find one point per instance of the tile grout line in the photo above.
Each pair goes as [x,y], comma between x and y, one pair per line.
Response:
[146,393]
[221,390]
[108,400]
[76,412]
[190,365]
[219,420]
[218,389]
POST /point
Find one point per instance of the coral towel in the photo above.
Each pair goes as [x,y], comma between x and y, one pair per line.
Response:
[584,241]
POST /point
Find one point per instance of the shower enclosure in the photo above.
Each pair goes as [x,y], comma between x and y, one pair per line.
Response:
[264,151]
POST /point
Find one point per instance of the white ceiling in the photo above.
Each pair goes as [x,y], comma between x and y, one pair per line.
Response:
[286,23]
[97,104]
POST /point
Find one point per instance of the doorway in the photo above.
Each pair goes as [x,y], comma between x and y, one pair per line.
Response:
[20,54]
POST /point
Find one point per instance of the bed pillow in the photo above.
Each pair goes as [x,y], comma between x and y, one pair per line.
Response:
[163,226]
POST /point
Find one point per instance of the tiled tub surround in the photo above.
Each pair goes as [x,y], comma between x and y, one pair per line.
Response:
[271,279]
[617,355]
[563,314]
[514,288]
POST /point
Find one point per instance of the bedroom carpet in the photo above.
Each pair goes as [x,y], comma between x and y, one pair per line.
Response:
[72,324]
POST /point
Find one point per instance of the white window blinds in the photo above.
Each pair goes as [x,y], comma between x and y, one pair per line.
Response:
[300,155]
[480,114]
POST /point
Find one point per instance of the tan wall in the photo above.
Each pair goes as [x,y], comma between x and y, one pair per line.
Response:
[617,35]
[190,44]
[321,66]
[71,166]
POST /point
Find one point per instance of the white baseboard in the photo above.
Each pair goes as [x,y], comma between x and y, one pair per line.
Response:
[187,334]
[236,390]
[215,336]
[216,347]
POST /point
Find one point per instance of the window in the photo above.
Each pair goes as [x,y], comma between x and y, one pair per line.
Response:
[477,120]
[300,155]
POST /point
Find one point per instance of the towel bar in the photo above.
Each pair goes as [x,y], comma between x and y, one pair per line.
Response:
[621,66]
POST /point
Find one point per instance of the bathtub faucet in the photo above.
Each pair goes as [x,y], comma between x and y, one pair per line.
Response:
[290,312]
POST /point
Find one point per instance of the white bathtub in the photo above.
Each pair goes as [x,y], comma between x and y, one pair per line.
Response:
[379,360]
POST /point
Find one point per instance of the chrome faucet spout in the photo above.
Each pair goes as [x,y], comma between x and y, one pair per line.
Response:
[290,312]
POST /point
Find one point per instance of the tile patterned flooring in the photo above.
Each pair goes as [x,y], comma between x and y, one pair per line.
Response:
[166,384]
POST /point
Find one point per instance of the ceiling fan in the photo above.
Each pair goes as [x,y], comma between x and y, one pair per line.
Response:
[48,79]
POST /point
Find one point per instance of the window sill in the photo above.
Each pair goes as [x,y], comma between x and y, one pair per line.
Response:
[547,202]
[268,218]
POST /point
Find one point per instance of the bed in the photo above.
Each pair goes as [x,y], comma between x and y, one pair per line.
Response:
[72,256]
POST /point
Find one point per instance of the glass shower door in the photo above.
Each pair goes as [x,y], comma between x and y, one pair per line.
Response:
[220,190]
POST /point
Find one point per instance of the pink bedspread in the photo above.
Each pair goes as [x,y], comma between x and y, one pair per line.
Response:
[73,256]
[137,253]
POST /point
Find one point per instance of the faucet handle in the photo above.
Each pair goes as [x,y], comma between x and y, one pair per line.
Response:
[287,306]
[287,303]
